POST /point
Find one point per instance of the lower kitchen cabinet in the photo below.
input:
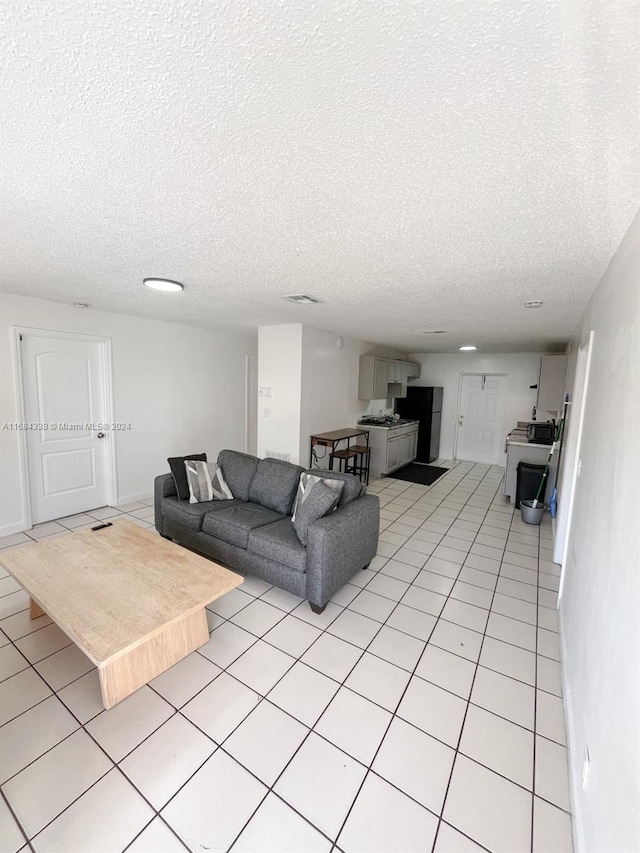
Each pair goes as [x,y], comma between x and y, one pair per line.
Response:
[392,448]
[521,451]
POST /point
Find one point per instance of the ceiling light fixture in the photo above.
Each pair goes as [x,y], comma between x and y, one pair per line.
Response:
[302,299]
[467,348]
[164,284]
[534,303]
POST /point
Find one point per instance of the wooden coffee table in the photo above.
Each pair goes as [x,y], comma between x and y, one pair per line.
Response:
[132,601]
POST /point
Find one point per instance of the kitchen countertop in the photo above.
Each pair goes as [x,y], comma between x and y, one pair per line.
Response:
[518,436]
[391,425]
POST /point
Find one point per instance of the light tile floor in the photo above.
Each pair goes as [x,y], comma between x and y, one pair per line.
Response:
[421,711]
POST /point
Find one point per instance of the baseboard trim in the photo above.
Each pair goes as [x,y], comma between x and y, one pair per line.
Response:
[574,771]
[123,500]
[12,529]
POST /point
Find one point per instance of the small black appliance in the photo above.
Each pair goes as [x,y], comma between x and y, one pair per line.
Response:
[541,432]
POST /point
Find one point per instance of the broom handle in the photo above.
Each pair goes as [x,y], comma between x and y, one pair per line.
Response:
[544,477]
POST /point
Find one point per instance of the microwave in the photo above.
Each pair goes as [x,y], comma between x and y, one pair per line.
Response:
[541,432]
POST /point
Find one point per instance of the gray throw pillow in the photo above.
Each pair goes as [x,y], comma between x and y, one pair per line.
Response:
[206,482]
[306,484]
[319,501]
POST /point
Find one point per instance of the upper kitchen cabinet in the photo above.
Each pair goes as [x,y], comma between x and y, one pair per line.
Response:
[373,383]
[553,369]
[397,371]
[376,374]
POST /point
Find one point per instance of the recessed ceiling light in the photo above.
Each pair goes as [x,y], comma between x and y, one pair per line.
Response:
[534,303]
[468,348]
[435,332]
[164,284]
[302,299]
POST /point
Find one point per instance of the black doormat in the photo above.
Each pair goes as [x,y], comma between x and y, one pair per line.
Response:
[423,474]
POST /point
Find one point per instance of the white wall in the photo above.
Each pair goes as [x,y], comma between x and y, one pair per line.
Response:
[280,369]
[314,386]
[600,603]
[445,370]
[182,388]
[330,383]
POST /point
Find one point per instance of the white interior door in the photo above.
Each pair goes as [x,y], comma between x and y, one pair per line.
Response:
[64,400]
[480,418]
[252,405]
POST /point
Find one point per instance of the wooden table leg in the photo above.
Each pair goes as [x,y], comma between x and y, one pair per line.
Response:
[131,669]
[35,610]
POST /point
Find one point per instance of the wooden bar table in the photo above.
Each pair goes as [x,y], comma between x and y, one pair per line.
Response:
[333,440]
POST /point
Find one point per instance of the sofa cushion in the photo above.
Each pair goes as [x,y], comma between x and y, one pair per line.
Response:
[187,514]
[279,542]
[234,523]
[238,469]
[353,488]
[274,484]
[176,465]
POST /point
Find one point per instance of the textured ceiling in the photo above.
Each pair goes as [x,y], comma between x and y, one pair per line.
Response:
[413,164]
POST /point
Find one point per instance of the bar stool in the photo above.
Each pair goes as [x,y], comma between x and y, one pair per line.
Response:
[343,457]
[360,465]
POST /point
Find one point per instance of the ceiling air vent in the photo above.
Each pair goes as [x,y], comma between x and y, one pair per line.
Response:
[435,332]
[302,299]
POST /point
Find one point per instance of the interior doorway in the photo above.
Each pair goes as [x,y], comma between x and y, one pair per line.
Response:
[251,439]
[68,447]
[479,430]
[571,468]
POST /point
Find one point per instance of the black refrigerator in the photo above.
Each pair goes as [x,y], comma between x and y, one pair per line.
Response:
[425,406]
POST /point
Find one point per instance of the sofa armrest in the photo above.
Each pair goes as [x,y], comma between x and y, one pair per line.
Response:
[339,545]
[164,487]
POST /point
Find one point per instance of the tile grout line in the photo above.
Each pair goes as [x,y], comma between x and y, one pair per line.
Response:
[323,631]
[466,711]
[535,703]
[369,768]
[312,728]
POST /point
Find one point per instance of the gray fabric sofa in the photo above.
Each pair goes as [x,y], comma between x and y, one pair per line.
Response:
[254,534]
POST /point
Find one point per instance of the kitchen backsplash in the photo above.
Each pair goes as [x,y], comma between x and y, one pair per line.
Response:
[377,407]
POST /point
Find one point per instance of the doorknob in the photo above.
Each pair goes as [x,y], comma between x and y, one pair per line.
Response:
[100,435]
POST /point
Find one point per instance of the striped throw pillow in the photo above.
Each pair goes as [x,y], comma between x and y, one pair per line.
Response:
[206,482]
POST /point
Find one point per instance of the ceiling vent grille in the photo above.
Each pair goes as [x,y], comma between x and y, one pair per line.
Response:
[435,332]
[302,299]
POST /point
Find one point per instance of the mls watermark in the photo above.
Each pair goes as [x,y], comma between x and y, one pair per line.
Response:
[65,426]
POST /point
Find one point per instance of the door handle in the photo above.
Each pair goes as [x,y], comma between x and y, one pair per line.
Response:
[100,435]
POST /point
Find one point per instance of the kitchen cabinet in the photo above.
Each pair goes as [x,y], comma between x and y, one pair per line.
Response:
[373,381]
[520,450]
[399,452]
[553,369]
[398,378]
[398,371]
[377,374]
[392,447]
